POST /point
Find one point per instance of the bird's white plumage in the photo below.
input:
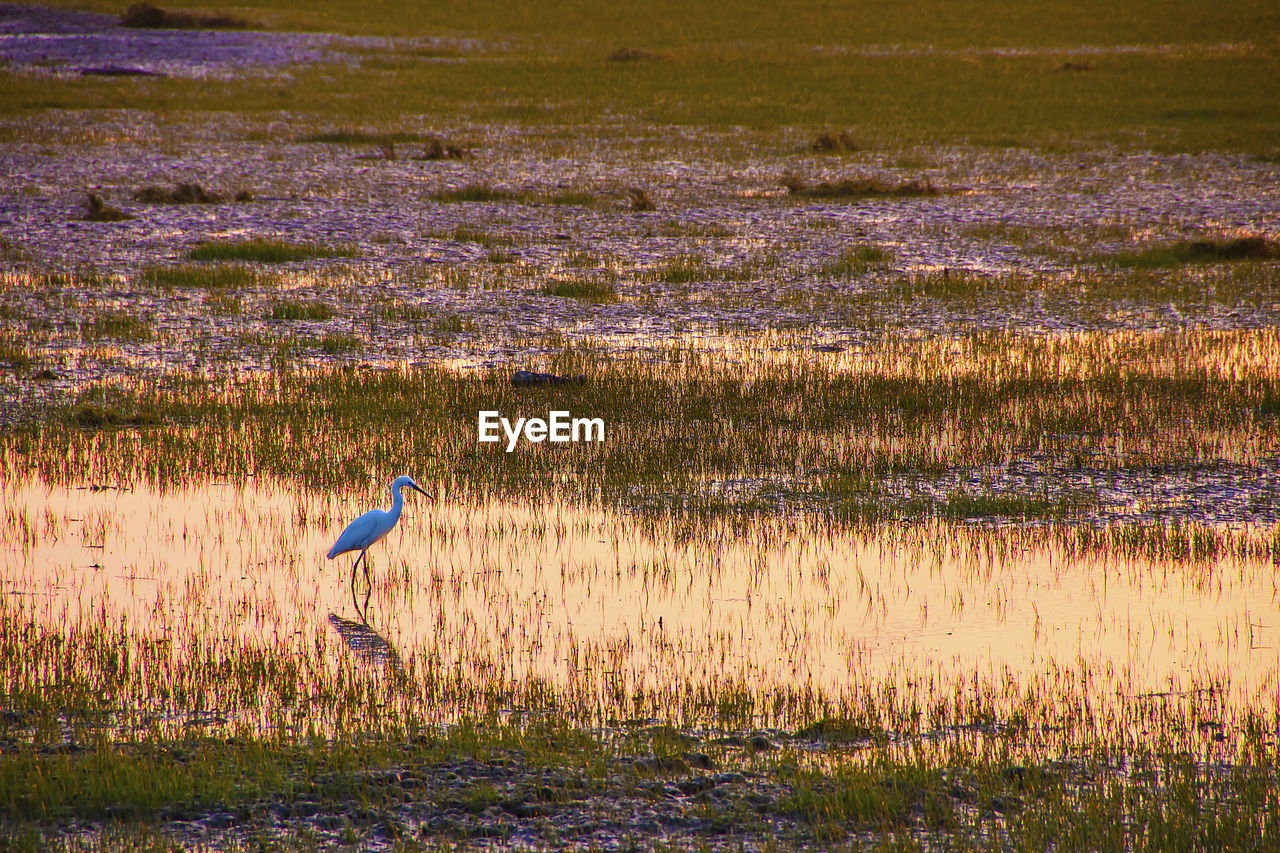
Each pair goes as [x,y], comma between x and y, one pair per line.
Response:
[374,524]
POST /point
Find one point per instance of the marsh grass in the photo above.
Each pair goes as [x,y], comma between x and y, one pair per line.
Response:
[290,309]
[208,276]
[1067,399]
[860,187]
[398,311]
[1191,98]
[116,326]
[966,759]
[223,305]
[576,198]
[14,355]
[856,261]
[584,289]
[478,193]
[1196,252]
[685,270]
[335,343]
[485,193]
[13,252]
[268,250]
[362,137]
[834,142]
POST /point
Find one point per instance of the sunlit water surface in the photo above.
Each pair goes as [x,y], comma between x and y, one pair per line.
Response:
[564,593]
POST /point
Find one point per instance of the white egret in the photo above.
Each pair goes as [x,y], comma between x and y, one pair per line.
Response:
[369,528]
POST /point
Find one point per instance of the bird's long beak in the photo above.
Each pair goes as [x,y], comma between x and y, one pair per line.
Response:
[416,488]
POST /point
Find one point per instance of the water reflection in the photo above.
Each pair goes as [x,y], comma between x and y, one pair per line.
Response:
[366,642]
[569,595]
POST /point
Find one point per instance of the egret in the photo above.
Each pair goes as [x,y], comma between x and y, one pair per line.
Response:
[369,528]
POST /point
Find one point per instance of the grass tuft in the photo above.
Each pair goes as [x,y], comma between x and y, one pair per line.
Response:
[856,261]
[284,309]
[476,192]
[268,250]
[147,16]
[183,194]
[1197,252]
[862,187]
[834,142]
[116,326]
[207,276]
[587,290]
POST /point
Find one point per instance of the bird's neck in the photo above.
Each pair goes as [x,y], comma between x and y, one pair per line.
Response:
[397,502]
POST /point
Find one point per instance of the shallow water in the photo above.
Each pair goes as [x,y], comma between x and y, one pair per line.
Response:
[599,598]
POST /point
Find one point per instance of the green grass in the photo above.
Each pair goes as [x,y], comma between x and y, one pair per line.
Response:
[336,343]
[267,250]
[360,137]
[207,276]
[1199,95]
[292,309]
[1066,399]
[856,261]
[684,270]
[858,188]
[223,305]
[13,252]
[14,355]
[587,290]
[669,24]
[573,197]
[478,193]
[1196,252]
[121,326]
[481,238]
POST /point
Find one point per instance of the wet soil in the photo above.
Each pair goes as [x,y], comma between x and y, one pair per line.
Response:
[632,802]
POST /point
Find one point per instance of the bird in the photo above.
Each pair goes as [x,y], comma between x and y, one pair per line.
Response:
[368,529]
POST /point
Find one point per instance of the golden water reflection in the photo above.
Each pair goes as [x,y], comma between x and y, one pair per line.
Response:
[562,592]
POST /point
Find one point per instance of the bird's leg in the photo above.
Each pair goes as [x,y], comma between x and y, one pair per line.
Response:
[355,566]
[364,617]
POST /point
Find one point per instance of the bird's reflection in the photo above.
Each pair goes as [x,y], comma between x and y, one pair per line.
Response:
[367,643]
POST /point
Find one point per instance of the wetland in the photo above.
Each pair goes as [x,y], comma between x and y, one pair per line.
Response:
[937,506]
